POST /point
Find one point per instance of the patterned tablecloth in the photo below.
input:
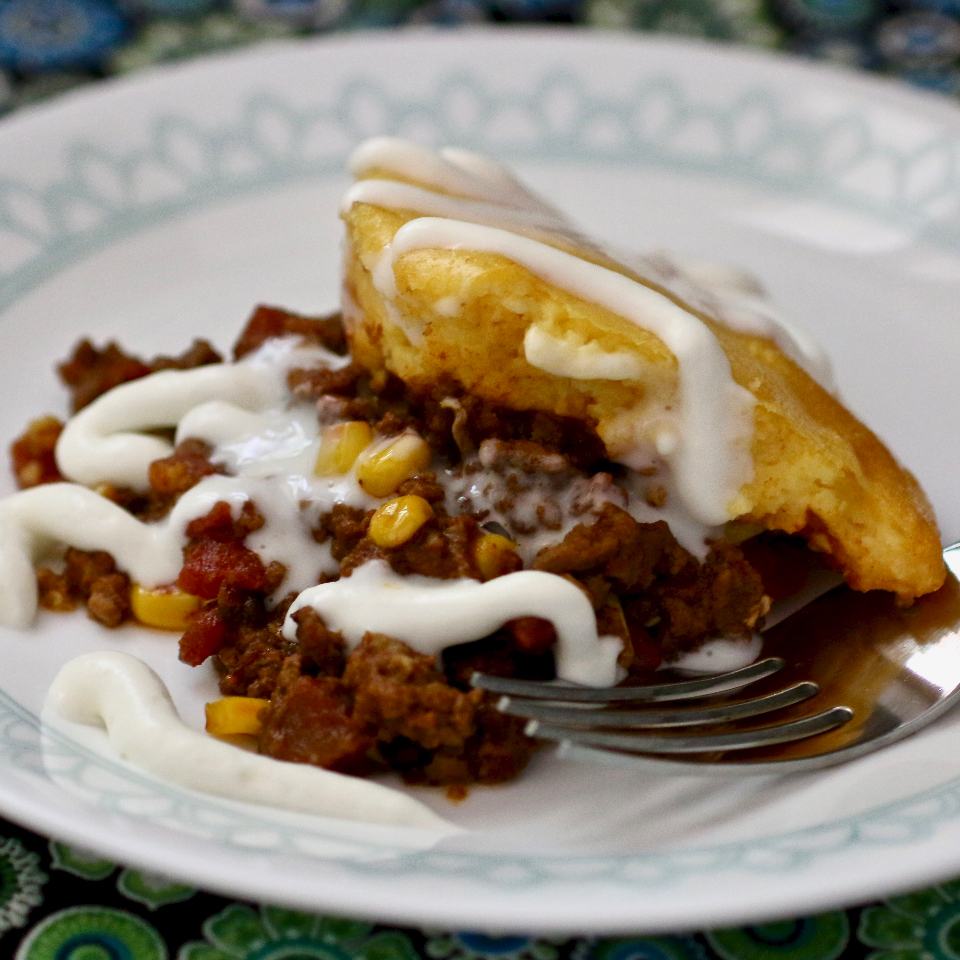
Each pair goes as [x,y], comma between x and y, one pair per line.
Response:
[61,903]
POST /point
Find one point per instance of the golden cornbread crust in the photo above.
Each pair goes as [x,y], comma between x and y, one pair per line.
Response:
[458,322]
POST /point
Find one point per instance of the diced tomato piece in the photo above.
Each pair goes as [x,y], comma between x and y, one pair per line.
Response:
[203,637]
[208,564]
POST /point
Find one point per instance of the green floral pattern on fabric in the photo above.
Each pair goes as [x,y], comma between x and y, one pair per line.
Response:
[916,926]
[824,937]
[924,925]
[241,933]
[152,889]
[642,948]
[93,933]
[478,946]
[21,883]
[81,863]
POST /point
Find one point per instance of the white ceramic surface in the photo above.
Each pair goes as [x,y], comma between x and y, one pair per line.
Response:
[167,205]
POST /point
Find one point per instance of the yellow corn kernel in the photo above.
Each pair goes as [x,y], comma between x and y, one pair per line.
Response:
[495,555]
[235,716]
[397,521]
[167,608]
[340,445]
[383,469]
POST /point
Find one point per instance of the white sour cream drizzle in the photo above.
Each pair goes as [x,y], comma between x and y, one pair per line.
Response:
[737,299]
[270,455]
[568,357]
[719,655]
[460,173]
[123,694]
[103,442]
[431,614]
[65,514]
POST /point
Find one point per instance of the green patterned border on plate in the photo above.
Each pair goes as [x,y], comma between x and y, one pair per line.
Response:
[118,789]
[755,138]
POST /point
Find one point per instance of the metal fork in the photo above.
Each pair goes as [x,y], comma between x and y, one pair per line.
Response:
[873,672]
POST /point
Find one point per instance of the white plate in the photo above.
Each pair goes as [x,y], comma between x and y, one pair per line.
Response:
[168,204]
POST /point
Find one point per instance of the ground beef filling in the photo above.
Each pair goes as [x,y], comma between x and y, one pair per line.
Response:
[382,705]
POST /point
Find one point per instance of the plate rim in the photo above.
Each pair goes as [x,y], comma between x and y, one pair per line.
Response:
[42,114]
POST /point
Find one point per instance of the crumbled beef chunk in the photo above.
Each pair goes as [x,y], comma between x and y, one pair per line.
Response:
[443,547]
[84,568]
[322,649]
[54,591]
[400,693]
[670,602]
[629,553]
[199,354]
[391,424]
[249,656]
[565,435]
[32,453]
[331,409]
[499,750]
[496,753]
[423,485]
[724,596]
[309,721]
[90,372]
[364,552]
[346,525]
[267,322]
[88,577]
[109,600]
[144,506]
[92,577]
[524,487]
[219,523]
[172,476]
[315,382]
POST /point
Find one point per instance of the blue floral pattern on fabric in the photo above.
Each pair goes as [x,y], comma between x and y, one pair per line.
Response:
[58,34]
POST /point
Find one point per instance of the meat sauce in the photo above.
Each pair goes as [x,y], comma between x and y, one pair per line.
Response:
[538,479]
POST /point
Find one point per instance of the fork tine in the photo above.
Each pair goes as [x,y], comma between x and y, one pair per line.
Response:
[653,693]
[741,740]
[666,717]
